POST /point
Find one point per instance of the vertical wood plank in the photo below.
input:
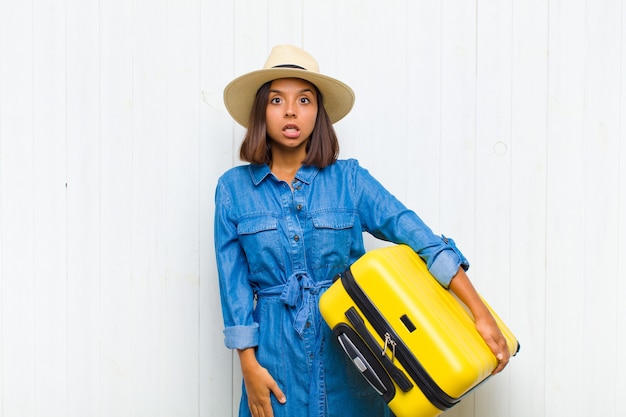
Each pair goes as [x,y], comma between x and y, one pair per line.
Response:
[352,50]
[423,102]
[17,183]
[250,31]
[315,16]
[528,209]
[83,209]
[374,39]
[620,361]
[50,237]
[385,36]
[148,205]
[116,142]
[565,358]
[179,339]
[216,156]
[457,146]
[285,21]
[598,260]
[493,153]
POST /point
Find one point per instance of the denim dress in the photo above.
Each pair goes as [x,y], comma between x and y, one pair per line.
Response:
[278,249]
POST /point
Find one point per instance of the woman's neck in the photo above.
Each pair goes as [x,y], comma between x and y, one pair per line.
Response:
[285,167]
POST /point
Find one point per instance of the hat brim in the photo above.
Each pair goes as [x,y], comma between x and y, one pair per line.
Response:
[239,94]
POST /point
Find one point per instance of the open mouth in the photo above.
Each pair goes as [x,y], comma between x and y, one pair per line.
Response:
[291,131]
[291,128]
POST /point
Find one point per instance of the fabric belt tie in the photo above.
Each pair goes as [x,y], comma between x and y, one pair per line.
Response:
[297,292]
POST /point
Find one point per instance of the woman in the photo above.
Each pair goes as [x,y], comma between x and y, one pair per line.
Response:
[291,220]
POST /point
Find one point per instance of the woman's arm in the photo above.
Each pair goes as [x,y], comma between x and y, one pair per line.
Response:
[485,323]
[259,385]
[387,218]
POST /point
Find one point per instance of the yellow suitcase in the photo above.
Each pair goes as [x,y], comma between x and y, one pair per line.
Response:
[412,339]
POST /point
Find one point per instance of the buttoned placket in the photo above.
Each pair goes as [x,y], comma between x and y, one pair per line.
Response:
[294,208]
[291,201]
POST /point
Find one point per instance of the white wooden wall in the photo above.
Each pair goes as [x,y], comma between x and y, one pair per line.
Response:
[501,122]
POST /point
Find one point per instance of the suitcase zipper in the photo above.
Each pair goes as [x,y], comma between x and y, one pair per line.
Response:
[389,342]
[355,319]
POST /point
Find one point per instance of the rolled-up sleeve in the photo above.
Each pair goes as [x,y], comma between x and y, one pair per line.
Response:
[236,294]
[445,264]
[384,216]
[241,337]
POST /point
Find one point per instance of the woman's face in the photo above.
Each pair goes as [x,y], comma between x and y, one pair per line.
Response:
[291,113]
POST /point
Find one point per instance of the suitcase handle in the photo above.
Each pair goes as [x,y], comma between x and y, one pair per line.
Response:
[365,362]
[396,374]
[361,363]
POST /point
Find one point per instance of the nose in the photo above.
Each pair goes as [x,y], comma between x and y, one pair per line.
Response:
[289,110]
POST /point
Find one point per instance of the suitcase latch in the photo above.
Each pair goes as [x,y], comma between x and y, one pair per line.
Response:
[389,342]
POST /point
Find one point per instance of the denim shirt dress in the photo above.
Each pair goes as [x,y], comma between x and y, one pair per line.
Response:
[278,250]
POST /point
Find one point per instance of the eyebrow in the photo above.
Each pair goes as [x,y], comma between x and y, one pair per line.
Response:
[304,90]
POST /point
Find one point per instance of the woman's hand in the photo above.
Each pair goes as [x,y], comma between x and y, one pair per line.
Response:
[259,385]
[484,321]
[493,337]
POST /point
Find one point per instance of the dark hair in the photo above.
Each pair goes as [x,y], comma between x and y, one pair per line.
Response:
[323,145]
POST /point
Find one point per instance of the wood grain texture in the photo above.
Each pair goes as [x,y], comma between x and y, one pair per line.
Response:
[500,123]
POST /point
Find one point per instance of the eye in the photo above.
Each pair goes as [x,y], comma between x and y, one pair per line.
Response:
[275,100]
[304,100]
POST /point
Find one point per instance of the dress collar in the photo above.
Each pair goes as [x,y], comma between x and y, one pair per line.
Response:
[259,172]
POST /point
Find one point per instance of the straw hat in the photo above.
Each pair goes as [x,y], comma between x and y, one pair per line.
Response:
[287,61]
